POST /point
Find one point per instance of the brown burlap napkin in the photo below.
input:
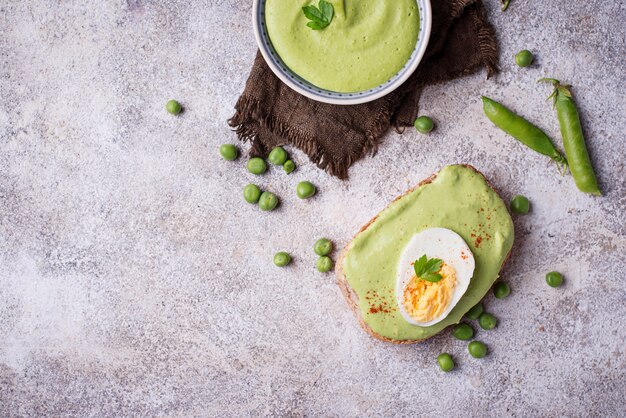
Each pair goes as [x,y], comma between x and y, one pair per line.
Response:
[269,113]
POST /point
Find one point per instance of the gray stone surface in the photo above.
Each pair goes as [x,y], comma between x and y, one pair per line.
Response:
[135,282]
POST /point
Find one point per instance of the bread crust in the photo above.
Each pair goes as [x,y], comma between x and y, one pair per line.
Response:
[352,298]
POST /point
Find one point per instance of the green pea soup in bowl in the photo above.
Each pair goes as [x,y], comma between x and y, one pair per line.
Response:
[364,51]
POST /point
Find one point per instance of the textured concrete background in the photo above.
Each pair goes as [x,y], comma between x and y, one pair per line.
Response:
[135,281]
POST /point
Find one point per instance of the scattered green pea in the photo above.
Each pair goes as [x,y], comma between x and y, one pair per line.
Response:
[282,259]
[477,349]
[501,290]
[554,279]
[229,152]
[424,124]
[257,165]
[487,321]
[251,193]
[520,205]
[305,189]
[446,363]
[278,156]
[524,58]
[323,246]
[475,312]
[324,264]
[268,201]
[289,166]
[463,332]
[173,107]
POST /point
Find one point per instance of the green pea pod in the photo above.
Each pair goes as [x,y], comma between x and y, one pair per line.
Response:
[573,138]
[520,129]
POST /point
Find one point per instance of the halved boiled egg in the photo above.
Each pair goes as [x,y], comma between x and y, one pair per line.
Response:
[424,303]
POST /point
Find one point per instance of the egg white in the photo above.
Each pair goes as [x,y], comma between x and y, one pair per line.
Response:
[446,245]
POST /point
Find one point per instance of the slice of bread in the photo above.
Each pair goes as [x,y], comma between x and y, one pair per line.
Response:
[351,297]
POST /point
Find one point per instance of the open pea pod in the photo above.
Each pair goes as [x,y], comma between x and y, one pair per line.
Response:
[521,129]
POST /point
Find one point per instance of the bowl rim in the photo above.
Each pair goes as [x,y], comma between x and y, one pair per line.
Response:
[424,32]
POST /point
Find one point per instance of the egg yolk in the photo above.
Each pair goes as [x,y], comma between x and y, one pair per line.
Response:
[424,300]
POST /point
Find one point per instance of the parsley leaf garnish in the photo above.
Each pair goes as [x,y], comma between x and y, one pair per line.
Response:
[320,16]
[427,269]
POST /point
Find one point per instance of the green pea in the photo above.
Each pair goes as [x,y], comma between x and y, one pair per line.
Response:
[524,58]
[520,205]
[323,246]
[277,156]
[257,165]
[554,279]
[475,312]
[477,349]
[173,107]
[305,189]
[424,124]
[446,363]
[251,193]
[229,152]
[501,290]
[463,332]
[487,321]
[324,264]
[282,259]
[268,201]
[289,166]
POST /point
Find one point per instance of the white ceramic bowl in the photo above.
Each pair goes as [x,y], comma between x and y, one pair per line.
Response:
[309,90]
